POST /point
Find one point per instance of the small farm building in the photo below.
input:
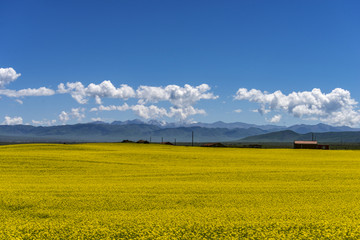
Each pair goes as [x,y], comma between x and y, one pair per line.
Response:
[213,145]
[142,141]
[310,145]
[255,146]
[305,144]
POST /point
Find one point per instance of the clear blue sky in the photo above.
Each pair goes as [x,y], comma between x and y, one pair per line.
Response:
[290,46]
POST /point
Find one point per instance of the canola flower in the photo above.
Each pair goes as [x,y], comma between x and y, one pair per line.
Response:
[133,191]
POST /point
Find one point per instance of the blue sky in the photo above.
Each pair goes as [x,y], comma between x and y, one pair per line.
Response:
[301,58]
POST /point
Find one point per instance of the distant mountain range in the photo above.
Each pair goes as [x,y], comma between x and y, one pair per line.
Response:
[98,132]
[319,128]
[156,131]
[302,128]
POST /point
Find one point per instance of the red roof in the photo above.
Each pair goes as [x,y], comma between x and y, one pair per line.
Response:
[305,142]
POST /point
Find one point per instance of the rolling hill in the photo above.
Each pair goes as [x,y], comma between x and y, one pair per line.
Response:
[290,136]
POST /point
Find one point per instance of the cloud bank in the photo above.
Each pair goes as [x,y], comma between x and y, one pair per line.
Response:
[178,96]
[182,99]
[44,122]
[153,112]
[336,107]
[103,90]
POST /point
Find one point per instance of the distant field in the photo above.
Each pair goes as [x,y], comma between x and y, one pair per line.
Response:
[114,191]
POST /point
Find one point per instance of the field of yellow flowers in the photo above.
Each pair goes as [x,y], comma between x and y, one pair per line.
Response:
[131,191]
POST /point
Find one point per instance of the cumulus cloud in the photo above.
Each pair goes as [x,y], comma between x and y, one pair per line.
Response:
[7,75]
[75,113]
[148,112]
[181,98]
[238,110]
[336,107]
[275,119]
[44,122]
[13,121]
[153,112]
[178,96]
[98,119]
[78,113]
[43,91]
[184,112]
[64,117]
[105,89]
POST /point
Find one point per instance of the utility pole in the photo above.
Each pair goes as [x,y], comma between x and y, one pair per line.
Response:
[162,140]
[150,139]
[192,138]
[175,142]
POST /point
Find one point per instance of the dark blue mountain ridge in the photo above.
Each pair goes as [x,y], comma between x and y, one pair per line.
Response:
[136,129]
[299,128]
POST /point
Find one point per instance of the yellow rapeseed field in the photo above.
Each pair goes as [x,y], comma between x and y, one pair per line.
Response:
[134,191]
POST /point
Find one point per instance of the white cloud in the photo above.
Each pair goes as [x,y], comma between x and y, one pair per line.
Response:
[78,113]
[178,96]
[275,119]
[98,119]
[75,113]
[19,101]
[105,89]
[64,117]
[261,110]
[336,107]
[148,112]
[238,110]
[153,112]
[123,107]
[184,113]
[98,100]
[44,122]
[43,91]
[182,99]
[7,75]
[13,121]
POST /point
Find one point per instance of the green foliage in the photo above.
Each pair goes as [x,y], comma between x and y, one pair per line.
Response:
[122,191]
